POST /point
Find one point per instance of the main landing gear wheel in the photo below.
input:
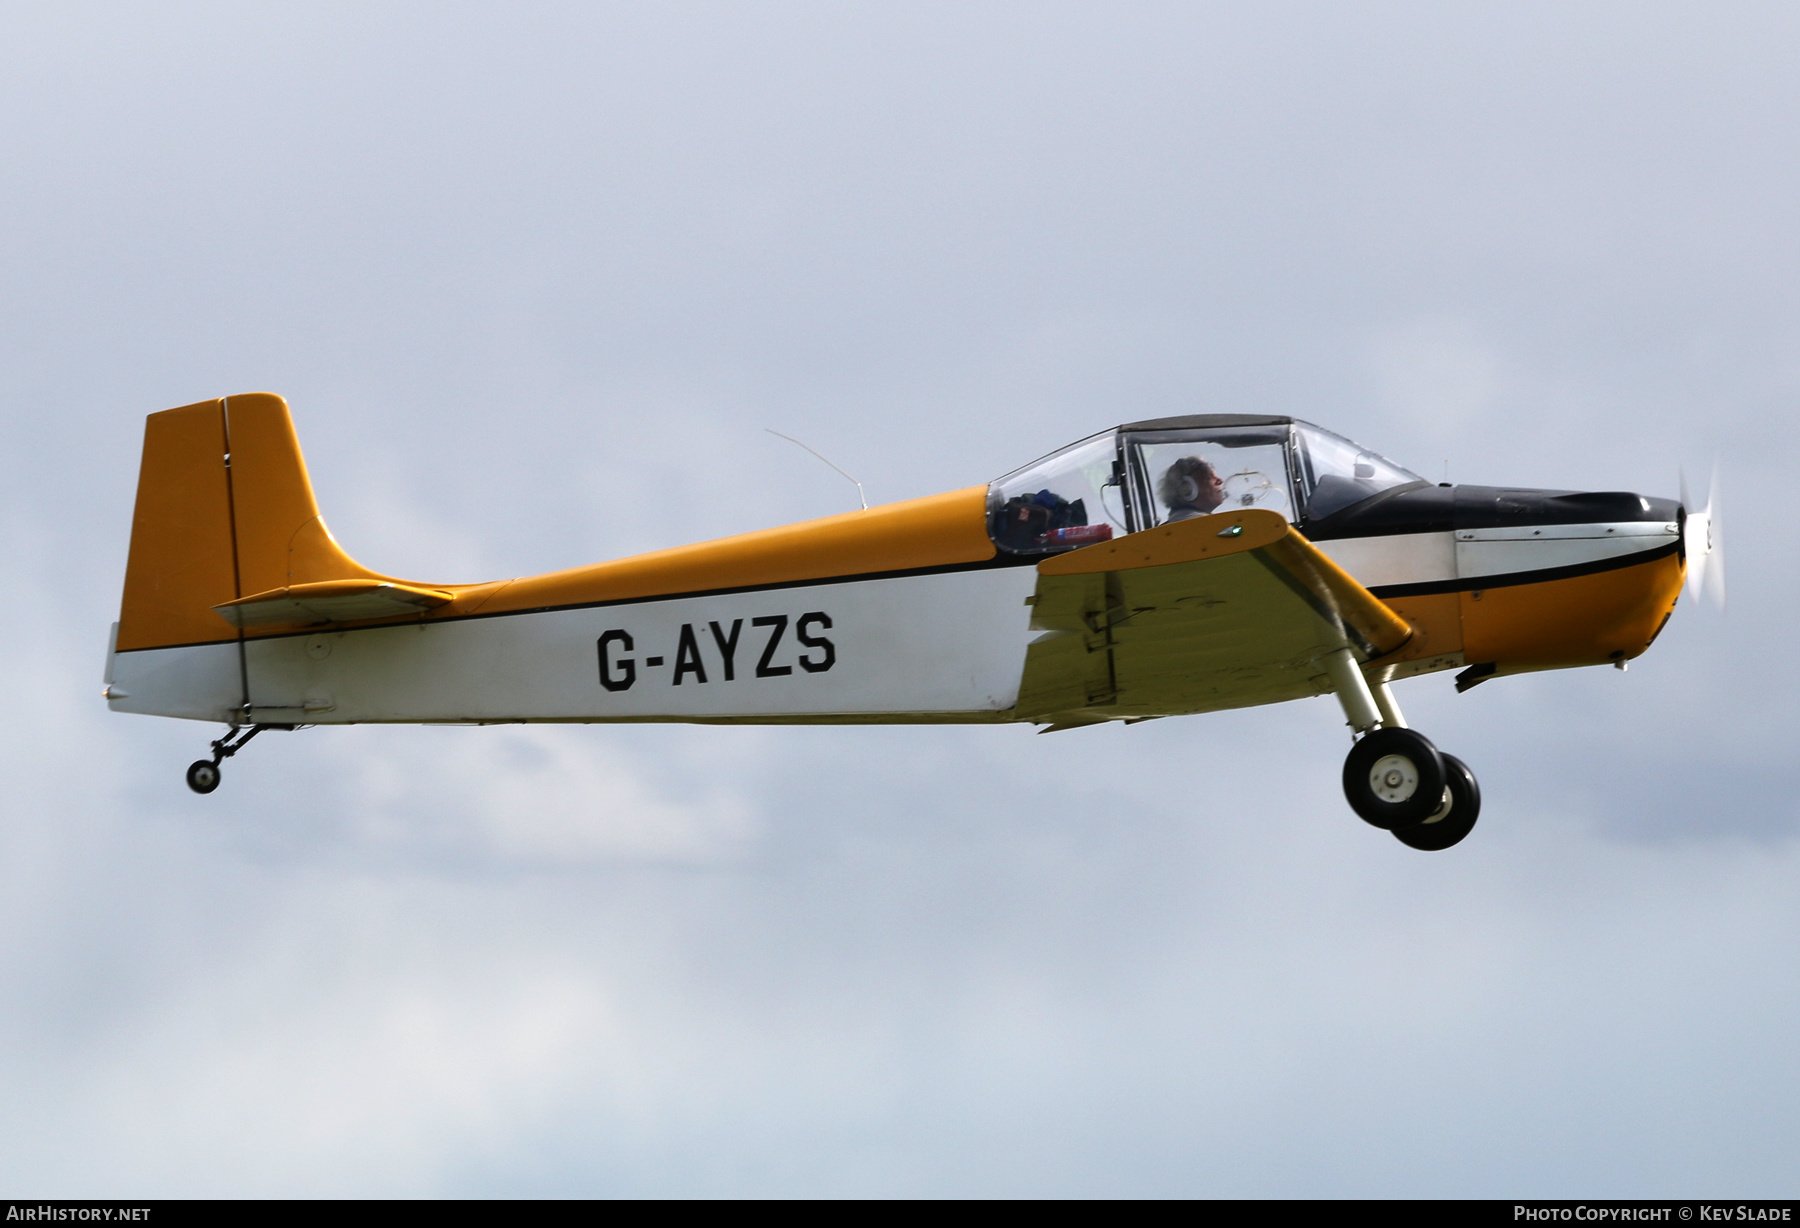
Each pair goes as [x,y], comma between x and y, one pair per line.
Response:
[1454,820]
[203,776]
[1394,778]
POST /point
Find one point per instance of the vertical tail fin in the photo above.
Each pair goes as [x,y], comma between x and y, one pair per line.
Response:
[224,511]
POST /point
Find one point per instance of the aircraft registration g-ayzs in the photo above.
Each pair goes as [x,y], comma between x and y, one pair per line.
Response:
[1160,568]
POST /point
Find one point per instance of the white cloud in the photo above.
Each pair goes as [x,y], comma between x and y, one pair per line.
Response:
[535,796]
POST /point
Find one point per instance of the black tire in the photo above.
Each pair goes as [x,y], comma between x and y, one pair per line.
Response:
[1465,807]
[203,776]
[1393,778]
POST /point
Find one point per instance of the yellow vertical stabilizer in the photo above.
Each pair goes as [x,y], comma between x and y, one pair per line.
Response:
[224,511]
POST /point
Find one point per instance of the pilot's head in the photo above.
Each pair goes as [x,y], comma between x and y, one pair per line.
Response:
[1191,486]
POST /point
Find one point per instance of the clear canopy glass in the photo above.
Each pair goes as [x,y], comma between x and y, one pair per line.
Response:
[1124,481]
[1185,473]
[1334,472]
[1070,498]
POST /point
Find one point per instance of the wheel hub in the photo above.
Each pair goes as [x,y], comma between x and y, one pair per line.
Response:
[1442,811]
[1393,778]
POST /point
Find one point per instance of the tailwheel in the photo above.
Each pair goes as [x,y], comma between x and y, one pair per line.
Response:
[1394,778]
[1454,819]
[203,776]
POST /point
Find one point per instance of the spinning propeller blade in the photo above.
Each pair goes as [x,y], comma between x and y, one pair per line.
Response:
[1704,543]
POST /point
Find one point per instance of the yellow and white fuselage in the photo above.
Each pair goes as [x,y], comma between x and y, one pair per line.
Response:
[792,624]
[1089,586]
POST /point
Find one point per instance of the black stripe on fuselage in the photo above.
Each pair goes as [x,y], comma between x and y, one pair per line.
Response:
[1422,508]
[1471,584]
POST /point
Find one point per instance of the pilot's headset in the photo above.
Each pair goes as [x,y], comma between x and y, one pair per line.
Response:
[1181,485]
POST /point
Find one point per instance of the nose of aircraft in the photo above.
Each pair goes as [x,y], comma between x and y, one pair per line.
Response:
[1541,579]
[1514,535]
[1563,578]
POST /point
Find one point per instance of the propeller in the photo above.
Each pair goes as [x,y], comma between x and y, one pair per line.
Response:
[1704,543]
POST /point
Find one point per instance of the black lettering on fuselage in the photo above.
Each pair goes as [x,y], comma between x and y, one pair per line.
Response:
[763,669]
[619,670]
[816,618]
[728,645]
[687,656]
[627,669]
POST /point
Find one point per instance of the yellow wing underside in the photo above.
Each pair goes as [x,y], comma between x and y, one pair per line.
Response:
[1222,611]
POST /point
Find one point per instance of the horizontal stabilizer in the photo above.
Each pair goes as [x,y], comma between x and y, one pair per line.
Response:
[329,601]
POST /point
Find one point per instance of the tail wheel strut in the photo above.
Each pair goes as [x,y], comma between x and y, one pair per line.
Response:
[203,775]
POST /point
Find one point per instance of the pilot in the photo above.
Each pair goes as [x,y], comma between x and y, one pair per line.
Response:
[1190,488]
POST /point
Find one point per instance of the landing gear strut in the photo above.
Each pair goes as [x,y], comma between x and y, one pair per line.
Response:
[203,775]
[1394,778]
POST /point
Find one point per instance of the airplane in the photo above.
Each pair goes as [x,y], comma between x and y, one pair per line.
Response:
[1159,568]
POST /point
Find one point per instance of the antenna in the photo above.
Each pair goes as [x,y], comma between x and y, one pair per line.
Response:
[847,477]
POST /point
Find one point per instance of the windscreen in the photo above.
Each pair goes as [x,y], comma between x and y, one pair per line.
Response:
[1335,472]
[1186,473]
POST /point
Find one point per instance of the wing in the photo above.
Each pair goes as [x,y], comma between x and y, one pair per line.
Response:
[1222,611]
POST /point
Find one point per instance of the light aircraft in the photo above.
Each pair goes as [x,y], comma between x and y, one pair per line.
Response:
[1160,568]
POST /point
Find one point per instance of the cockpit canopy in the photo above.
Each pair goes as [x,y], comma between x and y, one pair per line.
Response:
[1149,473]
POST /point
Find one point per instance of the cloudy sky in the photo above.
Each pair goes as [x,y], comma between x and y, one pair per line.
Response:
[535,278]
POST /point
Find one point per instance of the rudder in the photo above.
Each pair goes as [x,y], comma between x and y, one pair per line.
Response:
[225,510]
